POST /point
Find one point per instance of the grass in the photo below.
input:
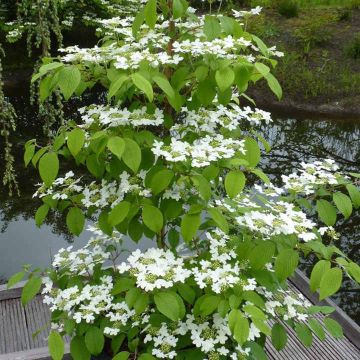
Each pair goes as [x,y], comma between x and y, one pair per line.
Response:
[311,3]
[321,46]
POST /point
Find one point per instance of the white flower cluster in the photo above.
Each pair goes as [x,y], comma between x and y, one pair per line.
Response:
[222,271]
[155,269]
[83,260]
[212,121]
[115,116]
[312,175]
[243,13]
[201,152]
[278,217]
[111,193]
[80,304]
[164,339]
[128,52]
[94,194]
[286,304]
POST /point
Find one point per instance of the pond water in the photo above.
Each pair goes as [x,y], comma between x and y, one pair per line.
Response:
[292,140]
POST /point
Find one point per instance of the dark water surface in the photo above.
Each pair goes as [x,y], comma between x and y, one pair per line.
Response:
[292,140]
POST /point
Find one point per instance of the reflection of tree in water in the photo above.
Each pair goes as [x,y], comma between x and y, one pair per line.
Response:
[14,208]
[294,141]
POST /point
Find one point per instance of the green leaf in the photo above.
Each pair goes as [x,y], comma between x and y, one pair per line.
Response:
[203,186]
[343,203]
[164,85]
[278,336]
[49,168]
[146,357]
[122,284]
[317,273]
[219,219]
[131,296]
[124,355]
[263,69]
[190,224]
[234,183]
[51,66]
[116,85]
[95,166]
[354,195]
[138,21]
[118,213]
[161,180]
[330,282]
[224,78]
[56,345]
[31,289]
[143,84]
[75,141]
[14,279]
[69,80]
[326,212]
[205,92]
[78,349]
[252,152]
[274,85]
[212,28]
[334,328]
[75,221]
[153,218]
[187,292]
[178,9]
[117,146]
[261,254]
[132,155]
[286,263]
[29,153]
[304,334]
[354,271]
[94,340]
[239,326]
[242,77]
[261,175]
[170,304]
[316,327]
[141,303]
[209,304]
[257,351]
[41,214]
[150,13]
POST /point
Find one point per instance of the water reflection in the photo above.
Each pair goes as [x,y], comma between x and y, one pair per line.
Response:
[292,141]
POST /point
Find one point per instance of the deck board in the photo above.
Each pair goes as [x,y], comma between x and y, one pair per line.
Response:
[18,324]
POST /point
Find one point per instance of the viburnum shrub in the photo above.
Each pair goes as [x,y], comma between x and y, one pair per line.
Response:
[173,157]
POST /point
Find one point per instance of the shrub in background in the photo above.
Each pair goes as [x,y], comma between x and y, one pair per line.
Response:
[314,30]
[352,49]
[288,8]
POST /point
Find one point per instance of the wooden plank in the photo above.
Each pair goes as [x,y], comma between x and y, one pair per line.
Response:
[13,293]
[37,318]
[34,354]
[14,331]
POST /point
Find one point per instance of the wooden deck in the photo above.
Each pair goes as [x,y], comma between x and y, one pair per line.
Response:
[17,324]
